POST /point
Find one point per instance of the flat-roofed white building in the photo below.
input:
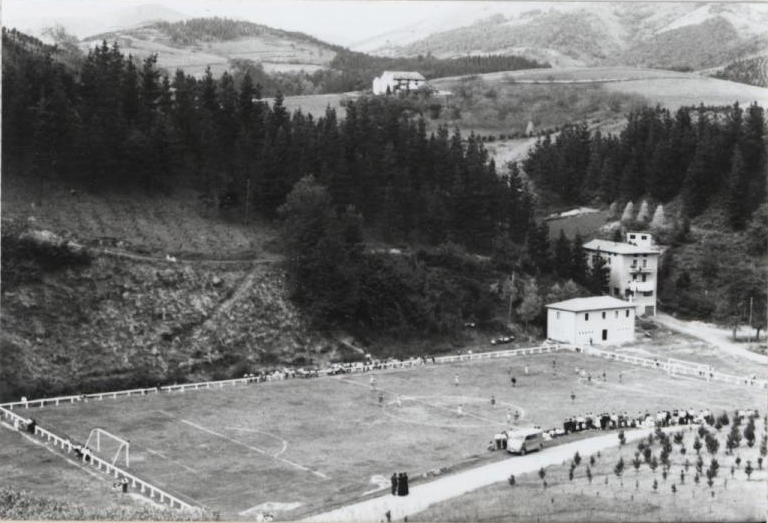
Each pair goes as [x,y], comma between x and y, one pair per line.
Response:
[633,269]
[397,81]
[594,320]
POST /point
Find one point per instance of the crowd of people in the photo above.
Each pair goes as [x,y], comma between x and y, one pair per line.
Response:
[616,420]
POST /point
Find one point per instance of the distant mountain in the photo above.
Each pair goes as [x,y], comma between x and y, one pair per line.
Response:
[193,45]
[674,35]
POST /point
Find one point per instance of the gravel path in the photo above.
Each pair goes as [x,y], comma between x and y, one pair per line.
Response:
[711,334]
[425,494]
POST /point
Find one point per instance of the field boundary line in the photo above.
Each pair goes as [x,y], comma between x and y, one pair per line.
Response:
[250,447]
[102,465]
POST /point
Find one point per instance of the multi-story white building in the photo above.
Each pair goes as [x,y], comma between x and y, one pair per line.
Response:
[397,81]
[594,320]
[633,269]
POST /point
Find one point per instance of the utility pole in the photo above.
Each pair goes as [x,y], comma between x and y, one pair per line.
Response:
[247,193]
[751,300]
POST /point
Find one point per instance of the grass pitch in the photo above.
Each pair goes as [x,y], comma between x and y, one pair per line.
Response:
[326,442]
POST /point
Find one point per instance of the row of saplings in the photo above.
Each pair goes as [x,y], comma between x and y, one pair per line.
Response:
[742,429]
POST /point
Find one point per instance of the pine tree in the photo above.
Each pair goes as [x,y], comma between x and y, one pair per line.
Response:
[563,256]
[737,192]
[659,222]
[628,215]
[579,269]
[644,214]
[599,274]
[530,308]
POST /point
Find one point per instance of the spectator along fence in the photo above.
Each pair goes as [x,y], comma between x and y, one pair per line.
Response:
[6,409]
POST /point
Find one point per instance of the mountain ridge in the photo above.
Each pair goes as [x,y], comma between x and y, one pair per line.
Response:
[709,35]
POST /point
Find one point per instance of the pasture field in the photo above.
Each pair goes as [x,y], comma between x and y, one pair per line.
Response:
[586,224]
[573,74]
[673,93]
[317,444]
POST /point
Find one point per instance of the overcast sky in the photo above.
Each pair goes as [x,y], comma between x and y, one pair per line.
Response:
[337,21]
[341,22]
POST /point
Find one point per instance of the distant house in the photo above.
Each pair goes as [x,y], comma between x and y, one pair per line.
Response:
[595,320]
[633,269]
[394,81]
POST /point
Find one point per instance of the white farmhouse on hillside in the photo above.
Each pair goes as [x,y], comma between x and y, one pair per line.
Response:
[594,320]
[633,269]
[397,81]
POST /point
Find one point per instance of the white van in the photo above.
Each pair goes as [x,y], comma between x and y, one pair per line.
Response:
[525,440]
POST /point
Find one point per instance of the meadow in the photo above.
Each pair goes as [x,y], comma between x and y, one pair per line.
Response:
[317,444]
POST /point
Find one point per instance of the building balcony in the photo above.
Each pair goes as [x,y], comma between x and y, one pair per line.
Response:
[641,286]
[641,270]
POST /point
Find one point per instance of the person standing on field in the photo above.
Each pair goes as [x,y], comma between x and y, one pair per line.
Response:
[456,380]
[394,484]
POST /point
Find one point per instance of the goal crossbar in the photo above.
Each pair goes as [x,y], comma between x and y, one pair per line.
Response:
[124,446]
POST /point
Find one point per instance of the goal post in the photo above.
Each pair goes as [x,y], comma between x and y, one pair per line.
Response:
[122,446]
[701,370]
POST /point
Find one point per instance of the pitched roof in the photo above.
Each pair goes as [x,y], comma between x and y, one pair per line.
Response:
[618,248]
[404,75]
[593,303]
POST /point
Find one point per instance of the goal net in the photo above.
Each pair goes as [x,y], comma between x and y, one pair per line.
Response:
[109,446]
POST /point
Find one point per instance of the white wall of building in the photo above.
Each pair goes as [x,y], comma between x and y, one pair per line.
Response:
[618,326]
[561,325]
[621,278]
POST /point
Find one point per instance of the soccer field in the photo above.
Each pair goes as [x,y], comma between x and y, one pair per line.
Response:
[298,447]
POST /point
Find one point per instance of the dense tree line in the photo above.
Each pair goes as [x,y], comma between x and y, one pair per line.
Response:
[123,124]
[704,155]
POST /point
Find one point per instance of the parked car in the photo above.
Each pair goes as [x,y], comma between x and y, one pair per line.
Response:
[524,441]
[503,339]
[337,369]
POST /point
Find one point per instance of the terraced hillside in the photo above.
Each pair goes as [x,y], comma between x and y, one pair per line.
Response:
[196,44]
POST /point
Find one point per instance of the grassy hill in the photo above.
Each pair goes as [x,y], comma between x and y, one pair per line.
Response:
[193,45]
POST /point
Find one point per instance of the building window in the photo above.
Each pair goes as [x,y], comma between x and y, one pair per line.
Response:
[617,314]
[627,313]
[616,291]
[644,276]
[586,316]
[557,315]
[645,263]
[603,314]
[631,236]
[643,237]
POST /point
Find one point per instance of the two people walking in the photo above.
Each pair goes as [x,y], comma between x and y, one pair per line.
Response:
[400,484]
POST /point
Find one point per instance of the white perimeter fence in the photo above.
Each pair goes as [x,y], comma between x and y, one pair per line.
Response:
[66,446]
[670,366]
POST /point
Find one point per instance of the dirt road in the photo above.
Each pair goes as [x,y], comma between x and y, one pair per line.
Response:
[423,495]
[719,337]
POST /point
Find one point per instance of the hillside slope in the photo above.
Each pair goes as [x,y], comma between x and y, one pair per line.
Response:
[663,35]
[195,44]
